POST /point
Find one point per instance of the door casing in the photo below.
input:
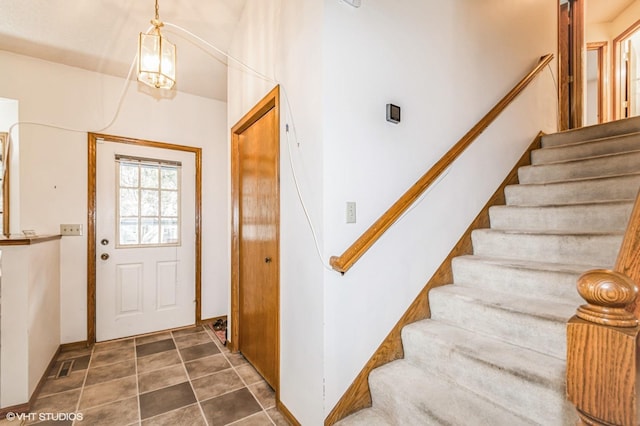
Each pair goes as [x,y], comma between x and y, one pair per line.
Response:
[269,102]
[616,69]
[91,221]
[571,51]
[601,48]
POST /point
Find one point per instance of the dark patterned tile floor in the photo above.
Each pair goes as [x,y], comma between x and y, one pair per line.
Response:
[183,377]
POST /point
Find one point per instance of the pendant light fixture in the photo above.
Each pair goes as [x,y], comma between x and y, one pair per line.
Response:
[156,57]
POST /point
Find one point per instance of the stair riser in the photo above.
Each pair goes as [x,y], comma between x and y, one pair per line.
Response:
[514,280]
[593,132]
[591,218]
[618,188]
[396,408]
[540,334]
[579,249]
[409,396]
[596,167]
[544,400]
[585,150]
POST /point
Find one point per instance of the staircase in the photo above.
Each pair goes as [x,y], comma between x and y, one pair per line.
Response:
[493,352]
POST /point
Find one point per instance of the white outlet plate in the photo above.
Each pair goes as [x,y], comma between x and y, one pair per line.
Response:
[71,229]
[351,212]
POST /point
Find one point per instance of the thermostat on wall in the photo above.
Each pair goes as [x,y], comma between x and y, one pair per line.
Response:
[393,113]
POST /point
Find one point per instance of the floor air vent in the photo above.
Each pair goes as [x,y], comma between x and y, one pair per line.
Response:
[65,369]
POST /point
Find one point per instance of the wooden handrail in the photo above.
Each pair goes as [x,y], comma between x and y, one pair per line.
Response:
[602,339]
[375,231]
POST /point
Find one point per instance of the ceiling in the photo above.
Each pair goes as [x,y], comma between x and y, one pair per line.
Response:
[602,11]
[101,35]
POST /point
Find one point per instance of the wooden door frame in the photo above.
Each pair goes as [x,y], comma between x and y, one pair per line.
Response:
[601,47]
[615,68]
[6,186]
[92,213]
[563,69]
[578,59]
[269,102]
[576,66]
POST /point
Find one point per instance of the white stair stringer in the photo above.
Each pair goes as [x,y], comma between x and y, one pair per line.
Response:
[493,351]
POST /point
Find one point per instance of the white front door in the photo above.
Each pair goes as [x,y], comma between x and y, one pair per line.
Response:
[145,239]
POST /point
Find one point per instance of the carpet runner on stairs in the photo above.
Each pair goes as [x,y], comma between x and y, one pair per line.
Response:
[494,350]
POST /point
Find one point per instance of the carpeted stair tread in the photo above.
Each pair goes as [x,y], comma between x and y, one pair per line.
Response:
[611,216]
[599,166]
[610,188]
[586,149]
[412,397]
[579,248]
[526,381]
[542,279]
[532,323]
[366,417]
[597,131]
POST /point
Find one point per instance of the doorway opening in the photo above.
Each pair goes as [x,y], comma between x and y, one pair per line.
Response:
[626,59]
[596,102]
[571,55]
[139,172]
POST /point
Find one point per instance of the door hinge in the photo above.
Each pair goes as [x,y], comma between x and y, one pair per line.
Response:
[570,79]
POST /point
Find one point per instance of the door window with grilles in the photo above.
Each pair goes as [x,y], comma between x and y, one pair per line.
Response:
[148,202]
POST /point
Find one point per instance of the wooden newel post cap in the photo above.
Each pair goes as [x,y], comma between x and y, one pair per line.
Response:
[607,293]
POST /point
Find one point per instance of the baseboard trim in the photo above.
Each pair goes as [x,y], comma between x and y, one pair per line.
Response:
[66,347]
[286,413]
[26,407]
[211,320]
[358,395]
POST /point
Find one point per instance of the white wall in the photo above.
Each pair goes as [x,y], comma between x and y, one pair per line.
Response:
[340,66]
[282,39]
[446,64]
[53,173]
[625,19]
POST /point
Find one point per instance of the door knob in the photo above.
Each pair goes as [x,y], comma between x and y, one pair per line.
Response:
[104,256]
[104,242]
[267,260]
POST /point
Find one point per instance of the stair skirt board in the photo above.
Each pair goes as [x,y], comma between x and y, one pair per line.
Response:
[491,347]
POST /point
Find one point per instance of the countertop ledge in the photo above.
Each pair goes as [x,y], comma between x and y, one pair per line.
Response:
[21,240]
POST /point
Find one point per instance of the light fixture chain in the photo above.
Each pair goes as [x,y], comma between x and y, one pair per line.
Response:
[157,11]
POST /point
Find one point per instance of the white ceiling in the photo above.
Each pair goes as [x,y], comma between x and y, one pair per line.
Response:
[101,35]
[602,11]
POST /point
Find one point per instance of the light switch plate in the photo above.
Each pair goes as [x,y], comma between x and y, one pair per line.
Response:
[71,229]
[351,212]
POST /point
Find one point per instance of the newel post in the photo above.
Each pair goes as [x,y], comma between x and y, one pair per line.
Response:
[602,351]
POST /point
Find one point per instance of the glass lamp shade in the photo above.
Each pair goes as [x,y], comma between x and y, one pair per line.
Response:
[156,60]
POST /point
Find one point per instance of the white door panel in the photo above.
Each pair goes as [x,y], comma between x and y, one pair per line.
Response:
[145,252]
